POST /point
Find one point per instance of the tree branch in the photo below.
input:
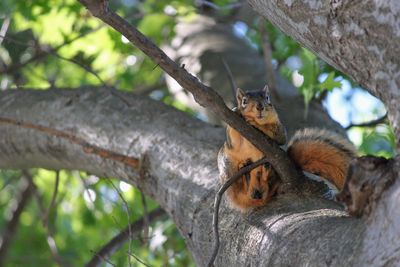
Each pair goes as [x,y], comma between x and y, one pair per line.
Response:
[49,233]
[53,200]
[87,147]
[203,94]
[24,194]
[42,53]
[116,242]
[371,123]
[217,203]
[270,73]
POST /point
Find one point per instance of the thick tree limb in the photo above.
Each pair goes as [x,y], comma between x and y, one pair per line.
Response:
[181,175]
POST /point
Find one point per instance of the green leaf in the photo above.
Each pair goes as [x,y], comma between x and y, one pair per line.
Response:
[329,83]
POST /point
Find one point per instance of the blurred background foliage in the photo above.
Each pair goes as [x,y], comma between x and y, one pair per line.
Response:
[57,44]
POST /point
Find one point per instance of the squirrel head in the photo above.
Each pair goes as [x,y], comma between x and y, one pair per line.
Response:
[255,106]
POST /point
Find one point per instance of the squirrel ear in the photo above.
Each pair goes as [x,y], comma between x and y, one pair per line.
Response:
[266,90]
[239,95]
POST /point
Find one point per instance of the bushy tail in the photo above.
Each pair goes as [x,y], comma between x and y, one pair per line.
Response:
[323,153]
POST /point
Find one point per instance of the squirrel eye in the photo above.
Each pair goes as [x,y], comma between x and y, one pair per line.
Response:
[267,165]
[267,98]
[244,101]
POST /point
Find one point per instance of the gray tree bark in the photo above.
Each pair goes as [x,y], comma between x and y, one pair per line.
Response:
[359,38]
[60,129]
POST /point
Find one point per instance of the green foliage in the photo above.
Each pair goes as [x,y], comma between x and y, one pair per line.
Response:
[311,72]
[81,224]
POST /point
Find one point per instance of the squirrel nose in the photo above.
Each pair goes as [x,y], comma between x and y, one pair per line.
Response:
[256,194]
[259,107]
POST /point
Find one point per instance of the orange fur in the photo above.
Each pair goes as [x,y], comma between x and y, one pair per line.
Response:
[240,192]
[322,153]
[238,151]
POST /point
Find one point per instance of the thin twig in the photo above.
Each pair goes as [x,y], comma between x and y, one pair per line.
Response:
[83,66]
[4,28]
[114,244]
[217,7]
[101,258]
[368,123]
[270,73]
[217,202]
[231,78]
[7,182]
[145,217]
[42,53]
[49,233]
[25,192]
[129,219]
[53,199]
[138,259]
[147,89]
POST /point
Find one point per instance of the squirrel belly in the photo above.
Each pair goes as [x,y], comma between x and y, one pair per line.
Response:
[258,186]
[323,153]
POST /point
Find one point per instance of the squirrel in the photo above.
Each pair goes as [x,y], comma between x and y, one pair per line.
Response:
[317,151]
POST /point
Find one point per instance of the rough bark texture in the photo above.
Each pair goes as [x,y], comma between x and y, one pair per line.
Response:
[359,38]
[181,175]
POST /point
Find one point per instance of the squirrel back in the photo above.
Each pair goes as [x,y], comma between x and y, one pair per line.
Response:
[323,153]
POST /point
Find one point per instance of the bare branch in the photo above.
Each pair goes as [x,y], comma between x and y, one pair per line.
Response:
[138,259]
[4,28]
[25,192]
[270,73]
[210,4]
[147,89]
[231,78]
[88,148]
[129,218]
[86,68]
[43,52]
[49,233]
[203,94]
[145,217]
[114,244]
[372,123]
[217,202]
[53,199]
